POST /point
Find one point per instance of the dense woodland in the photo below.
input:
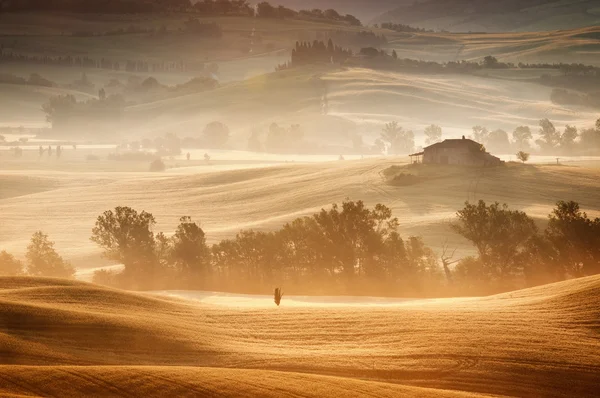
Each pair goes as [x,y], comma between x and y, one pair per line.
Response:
[347,249]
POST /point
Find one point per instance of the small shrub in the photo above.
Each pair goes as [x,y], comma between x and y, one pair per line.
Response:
[522,156]
[403,179]
[157,165]
[135,156]
[106,278]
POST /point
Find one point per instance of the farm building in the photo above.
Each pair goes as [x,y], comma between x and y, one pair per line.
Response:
[457,151]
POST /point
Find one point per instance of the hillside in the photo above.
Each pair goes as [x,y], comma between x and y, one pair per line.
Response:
[362,101]
[66,198]
[364,10]
[68,338]
[494,16]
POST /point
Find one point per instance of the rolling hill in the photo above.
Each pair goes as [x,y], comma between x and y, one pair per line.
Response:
[364,10]
[496,16]
[71,338]
[65,202]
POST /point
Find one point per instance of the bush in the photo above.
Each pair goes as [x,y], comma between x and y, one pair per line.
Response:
[158,165]
[106,278]
[132,156]
[523,156]
[91,158]
[404,179]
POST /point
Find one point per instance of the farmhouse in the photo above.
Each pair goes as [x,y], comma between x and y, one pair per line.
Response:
[457,151]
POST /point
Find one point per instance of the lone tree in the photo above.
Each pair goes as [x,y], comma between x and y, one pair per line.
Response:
[9,265]
[43,260]
[278,295]
[522,156]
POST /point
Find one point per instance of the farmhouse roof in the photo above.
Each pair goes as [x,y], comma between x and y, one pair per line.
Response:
[458,143]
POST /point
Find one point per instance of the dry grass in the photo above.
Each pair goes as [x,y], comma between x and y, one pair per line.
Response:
[526,343]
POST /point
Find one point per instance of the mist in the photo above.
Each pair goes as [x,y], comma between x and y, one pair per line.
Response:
[234,198]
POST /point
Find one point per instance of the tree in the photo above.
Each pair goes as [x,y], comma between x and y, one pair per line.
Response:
[59,110]
[379,146]
[216,134]
[575,239]
[190,254]
[399,140]
[480,134]
[101,94]
[522,156]
[433,134]
[500,235]
[498,141]
[490,62]
[126,236]
[394,54]
[10,266]
[43,260]
[549,136]
[567,139]
[254,144]
[521,137]
[277,296]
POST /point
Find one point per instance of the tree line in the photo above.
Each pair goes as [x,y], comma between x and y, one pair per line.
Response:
[317,52]
[347,249]
[203,7]
[398,27]
[127,65]
[513,253]
[394,139]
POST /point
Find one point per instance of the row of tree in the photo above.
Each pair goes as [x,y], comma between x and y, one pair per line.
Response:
[349,249]
[550,140]
[513,253]
[402,28]
[102,63]
[317,52]
[333,250]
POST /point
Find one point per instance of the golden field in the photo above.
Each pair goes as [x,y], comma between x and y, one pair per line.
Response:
[63,338]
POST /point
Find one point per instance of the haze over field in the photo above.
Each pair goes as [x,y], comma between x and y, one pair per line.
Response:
[303,198]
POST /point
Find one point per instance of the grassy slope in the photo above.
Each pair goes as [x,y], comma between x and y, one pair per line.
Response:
[227,201]
[526,343]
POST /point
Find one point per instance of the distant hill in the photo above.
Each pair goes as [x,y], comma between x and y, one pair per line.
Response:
[496,16]
[365,10]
